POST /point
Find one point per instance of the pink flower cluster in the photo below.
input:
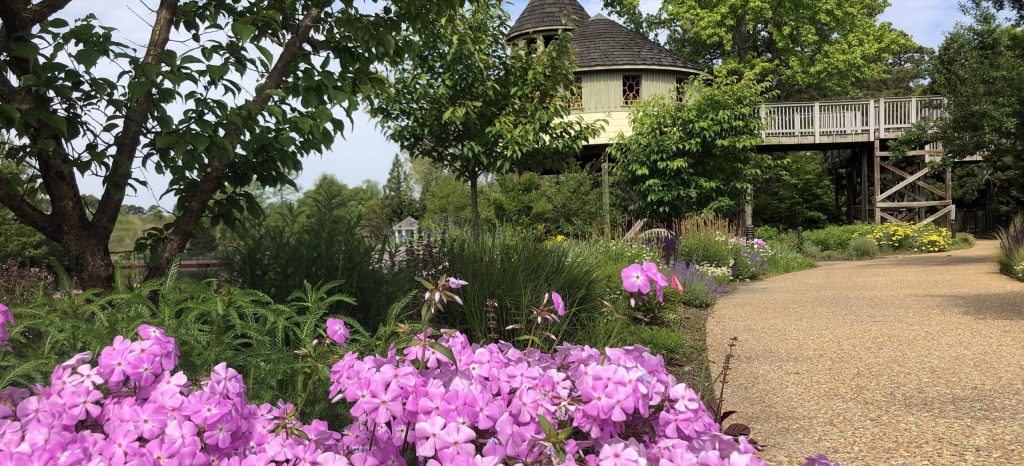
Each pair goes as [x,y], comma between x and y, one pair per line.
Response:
[133,409]
[491,405]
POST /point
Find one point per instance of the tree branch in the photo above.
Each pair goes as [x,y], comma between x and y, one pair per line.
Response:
[210,181]
[28,213]
[136,116]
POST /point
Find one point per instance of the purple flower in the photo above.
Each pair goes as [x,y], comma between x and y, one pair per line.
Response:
[635,280]
[556,301]
[337,331]
[455,283]
[819,460]
[5,319]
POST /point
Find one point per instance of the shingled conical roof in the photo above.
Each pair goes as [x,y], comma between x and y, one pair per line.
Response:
[601,42]
[545,14]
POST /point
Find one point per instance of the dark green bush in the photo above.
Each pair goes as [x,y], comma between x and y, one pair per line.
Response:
[314,241]
[660,340]
[704,247]
[696,295]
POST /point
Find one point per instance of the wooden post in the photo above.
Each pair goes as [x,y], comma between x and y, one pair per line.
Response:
[913,110]
[881,118]
[877,183]
[764,123]
[871,119]
[951,217]
[817,122]
[864,185]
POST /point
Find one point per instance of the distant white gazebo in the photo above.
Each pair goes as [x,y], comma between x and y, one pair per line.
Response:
[406,229]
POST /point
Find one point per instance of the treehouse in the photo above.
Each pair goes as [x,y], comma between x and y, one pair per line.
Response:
[616,66]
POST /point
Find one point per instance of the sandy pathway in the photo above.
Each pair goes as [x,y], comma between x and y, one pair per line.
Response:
[907,360]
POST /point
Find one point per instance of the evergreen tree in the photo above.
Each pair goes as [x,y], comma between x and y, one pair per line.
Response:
[397,201]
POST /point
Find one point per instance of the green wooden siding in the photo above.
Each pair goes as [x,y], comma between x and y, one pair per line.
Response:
[602,90]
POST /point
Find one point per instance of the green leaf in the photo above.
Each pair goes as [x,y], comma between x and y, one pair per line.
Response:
[446,351]
[242,30]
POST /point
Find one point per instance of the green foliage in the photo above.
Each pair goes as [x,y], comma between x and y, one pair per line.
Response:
[474,104]
[1011,248]
[787,258]
[517,270]
[797,192]
[610,257]
[705,247]
[980,70]
[447,201]
[566,204]
[696,158]
[835,238]
[862,248]
[313,239]
[211,322]
[826,48]
[696,295]
[667,342]
[246,91]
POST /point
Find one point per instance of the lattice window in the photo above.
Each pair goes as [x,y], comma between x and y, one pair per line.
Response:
[630,89]
[680,90]
[576,93]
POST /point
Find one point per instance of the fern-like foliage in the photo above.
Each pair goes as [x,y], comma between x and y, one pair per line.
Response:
[270,344]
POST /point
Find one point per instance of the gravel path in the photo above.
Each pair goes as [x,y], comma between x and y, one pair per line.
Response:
[904,360]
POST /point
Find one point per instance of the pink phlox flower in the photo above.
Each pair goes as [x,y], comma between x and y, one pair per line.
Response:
[331,459]
[558,303]
[427,433]
[635,280]
[659,279]
[455,439]
[619,454]
[337,331]
[81,403]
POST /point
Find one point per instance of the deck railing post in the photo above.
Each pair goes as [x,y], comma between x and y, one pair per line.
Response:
[881,117]
[764,123]
[913,110]
[871,119]
[817,122]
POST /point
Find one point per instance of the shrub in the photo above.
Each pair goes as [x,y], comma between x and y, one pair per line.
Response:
[19,283]
[705,247]
[659,340]
[700,290]
[786,259]
[750,258]
[862,248]
[899,236]
[314,241]
[835,238]
[516,271]
[963,240]
[1011,248]
[609,257]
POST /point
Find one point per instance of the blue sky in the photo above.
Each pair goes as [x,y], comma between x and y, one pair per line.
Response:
[365,153]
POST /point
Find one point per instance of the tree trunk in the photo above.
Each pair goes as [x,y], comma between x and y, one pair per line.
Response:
[474,207]
[90,259]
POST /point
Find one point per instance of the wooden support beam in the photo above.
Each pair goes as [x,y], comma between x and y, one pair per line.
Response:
[889,217]
[949,197]
[864,185]
[878,182]
[936,215]
[890,167]
[912,205]
[903,184]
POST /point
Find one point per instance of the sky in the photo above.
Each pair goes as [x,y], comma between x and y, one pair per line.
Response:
[363,152]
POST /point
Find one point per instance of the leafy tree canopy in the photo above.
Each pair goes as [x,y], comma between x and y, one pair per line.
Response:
[475,105]
[225,94]
[980,70]
[698,157]
[816,49]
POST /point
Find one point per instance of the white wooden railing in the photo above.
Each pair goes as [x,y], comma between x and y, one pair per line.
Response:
[834,121]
